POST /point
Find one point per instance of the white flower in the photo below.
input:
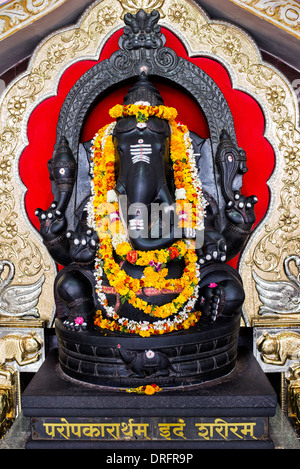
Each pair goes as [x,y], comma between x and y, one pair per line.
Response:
[180,194]
[145,325]
[112,196]
[118,238]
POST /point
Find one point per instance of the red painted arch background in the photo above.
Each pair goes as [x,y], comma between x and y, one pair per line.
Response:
[248,119]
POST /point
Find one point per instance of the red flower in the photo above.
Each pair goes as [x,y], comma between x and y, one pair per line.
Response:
[173,252]
[132,257]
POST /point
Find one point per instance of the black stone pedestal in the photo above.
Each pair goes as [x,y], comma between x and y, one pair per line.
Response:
[231,412]
[204,352]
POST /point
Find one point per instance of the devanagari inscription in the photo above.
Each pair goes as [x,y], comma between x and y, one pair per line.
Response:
[220,427]
[131,429]
[167,429]
[149,429]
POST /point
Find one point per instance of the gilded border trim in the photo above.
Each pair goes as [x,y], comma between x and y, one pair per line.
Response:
[285,15]
[17,14]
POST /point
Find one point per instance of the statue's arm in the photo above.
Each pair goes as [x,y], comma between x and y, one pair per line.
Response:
[83,243]
[213,246]
[239,210]
[53,229]
[241,217]
[53,223]
[66,246]
[223,245]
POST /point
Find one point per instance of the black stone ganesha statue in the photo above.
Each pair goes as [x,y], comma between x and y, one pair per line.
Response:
[147,252]
[158,230]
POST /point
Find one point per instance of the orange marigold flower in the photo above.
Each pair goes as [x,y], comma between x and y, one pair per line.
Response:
[173,252]
[149,390]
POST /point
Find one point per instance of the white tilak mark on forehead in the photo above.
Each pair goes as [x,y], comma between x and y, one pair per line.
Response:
[140,151]
[141,125]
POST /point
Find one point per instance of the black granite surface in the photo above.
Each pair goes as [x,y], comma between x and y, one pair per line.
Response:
[243,395]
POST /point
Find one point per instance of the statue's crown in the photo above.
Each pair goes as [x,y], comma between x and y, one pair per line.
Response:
[143,90]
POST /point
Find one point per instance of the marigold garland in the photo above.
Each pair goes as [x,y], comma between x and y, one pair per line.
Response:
[143,112]
[104,217]
[175,252]
[146,329]
[127,286]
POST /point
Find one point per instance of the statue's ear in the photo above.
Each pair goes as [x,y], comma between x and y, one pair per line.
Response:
[228,159]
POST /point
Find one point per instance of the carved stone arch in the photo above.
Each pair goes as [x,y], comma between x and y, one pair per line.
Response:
[159,62]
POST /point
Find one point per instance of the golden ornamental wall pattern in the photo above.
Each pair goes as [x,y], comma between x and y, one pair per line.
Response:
[17,14]
[284,14]
[274,240]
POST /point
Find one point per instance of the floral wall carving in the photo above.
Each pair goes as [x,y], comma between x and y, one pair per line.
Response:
[281,13]
[15,15]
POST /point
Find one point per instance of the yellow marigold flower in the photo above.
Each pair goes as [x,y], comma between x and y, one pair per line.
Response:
[123,291]
[134,284]
[148,309]
[163,272]
[123,249]
[144,334]
[116,111]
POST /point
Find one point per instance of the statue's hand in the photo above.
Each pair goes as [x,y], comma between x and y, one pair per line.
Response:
[240,211]
[53,223]
[83,246]
[214,247]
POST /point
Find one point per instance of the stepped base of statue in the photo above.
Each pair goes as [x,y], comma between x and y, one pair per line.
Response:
[204,352]
[231,412]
